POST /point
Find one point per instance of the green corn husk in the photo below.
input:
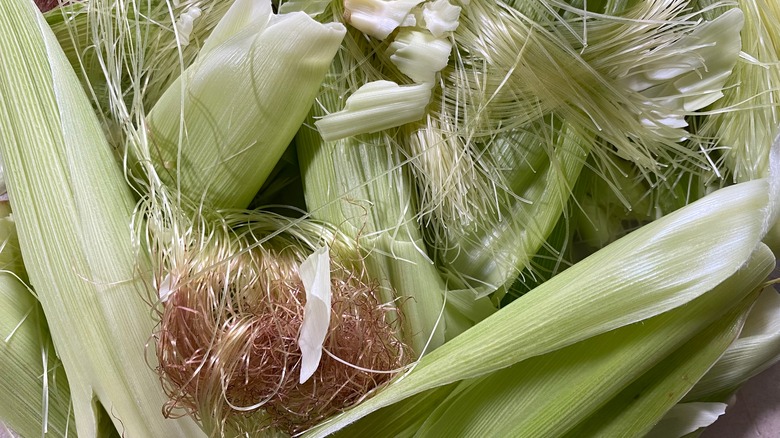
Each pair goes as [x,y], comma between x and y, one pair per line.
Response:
[489,252]
[654,269]
[359,186]
[609,206]
[551,259]
[73,210]
[233,112]
[362,185]
[756,349]
[527,398]
[643,404]
[687,420]
[402,419]
[744,121]
[107,42]
[34,388]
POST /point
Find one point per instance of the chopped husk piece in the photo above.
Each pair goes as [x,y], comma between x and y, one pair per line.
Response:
[311,7]
[73,209]
[652,270]
[376,106]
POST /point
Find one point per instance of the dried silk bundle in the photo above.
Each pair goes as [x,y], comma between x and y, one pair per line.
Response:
[232,316]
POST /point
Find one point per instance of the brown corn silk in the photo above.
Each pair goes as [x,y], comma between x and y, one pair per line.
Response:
[228,344]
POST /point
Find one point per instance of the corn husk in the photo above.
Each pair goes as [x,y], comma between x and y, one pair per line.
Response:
[643,404]
[491,245]
[209,123]
[527,398]
[686,418]
[346,182]
[73,210]
[34,389]
[658,267]
[756,349]
[744,121]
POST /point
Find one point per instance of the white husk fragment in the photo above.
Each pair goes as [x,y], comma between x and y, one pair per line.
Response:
[165,289]
[376,106]
[689,74]
[685,418]
[378,18]
[185,22]
[419,54]
[440,17]
[315,275]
